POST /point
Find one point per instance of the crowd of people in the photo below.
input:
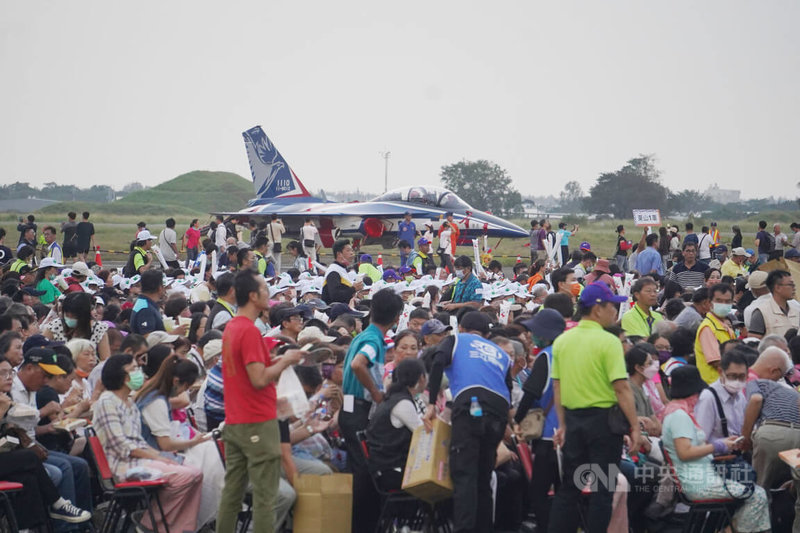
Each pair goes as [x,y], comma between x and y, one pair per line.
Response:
[668,366]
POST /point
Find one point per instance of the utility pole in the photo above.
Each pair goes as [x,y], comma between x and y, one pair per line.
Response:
[385,156]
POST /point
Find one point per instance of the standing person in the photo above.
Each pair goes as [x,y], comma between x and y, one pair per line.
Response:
[563,239]
[140,258]
[421,261]
[796,237]
[168,244]
[763,242]
[591,394]
[362,386]
[715,237]
[6,254]
[537,246]
[69,230]
[689,273]
[691,236]
[648,261]
[23,228]
[736,240]
[275,231]
[465,291]
[623,245]
[455,233]
[480,381]
[545,327]
[252,440]
[663,247]
[220,234]
[191,240]
[406,231]
[337,286]
[781,241]
[446,246]
[308,236]
[53,249]
[84,233]
[704,245]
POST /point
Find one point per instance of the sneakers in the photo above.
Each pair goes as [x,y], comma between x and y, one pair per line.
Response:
[69,513]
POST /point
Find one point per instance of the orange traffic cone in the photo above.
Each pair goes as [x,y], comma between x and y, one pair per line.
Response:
[380,260]
[97,258]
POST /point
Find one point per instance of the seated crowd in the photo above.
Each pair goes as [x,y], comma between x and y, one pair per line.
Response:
[653,375]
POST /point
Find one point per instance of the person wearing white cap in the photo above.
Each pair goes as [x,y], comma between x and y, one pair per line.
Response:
[756,284]
[734,266]
[45,277]
[140,258]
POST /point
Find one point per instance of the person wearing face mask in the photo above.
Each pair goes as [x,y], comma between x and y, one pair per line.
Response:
[563,282]
[173,378]
[118,424]
[685,443]
[641,368]
[720,408]
[466,290]
[395,419]
[146,316]
[77,323]
[713,332]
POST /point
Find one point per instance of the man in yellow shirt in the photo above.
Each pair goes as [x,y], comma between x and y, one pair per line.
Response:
[734,266]
[713,332]
[639,320]
[594,403]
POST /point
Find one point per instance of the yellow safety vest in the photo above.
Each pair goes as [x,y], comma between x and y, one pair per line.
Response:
[722,333]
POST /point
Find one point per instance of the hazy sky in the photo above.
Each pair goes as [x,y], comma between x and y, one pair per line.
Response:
[110,92]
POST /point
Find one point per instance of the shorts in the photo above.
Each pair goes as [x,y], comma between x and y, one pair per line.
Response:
[69,249]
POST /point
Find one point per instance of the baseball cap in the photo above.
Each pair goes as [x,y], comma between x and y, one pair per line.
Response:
[476,321]
[212,349]
[433,327]
[750,252]
[80,268]
[46,358]
[597,293]
[48,262]
[391,274]
[36,341]
[741,252]
[316,303]
[145,235]
[546,324]
[423,241]
[366,258]
[288,313]
[31,291]
[585,247]
[160,337]
[338,309]
[757,280]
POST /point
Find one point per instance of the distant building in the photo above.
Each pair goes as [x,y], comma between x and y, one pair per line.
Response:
[722,196]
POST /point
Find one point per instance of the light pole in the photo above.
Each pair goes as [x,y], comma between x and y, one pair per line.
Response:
[385,156]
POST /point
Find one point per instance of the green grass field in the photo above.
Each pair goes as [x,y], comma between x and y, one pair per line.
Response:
[198,193]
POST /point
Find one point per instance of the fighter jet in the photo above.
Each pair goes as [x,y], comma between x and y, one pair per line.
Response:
[279,191]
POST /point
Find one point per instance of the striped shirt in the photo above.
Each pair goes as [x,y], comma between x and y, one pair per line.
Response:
[689,278]
[780,400]
[215,391]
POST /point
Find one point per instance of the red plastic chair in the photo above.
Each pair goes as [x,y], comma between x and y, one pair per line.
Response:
[123,497]
[7,489]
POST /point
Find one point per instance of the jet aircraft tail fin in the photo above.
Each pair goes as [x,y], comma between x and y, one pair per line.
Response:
[272,176]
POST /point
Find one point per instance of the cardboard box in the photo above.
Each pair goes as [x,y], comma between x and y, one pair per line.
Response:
[324,503]
[427,474]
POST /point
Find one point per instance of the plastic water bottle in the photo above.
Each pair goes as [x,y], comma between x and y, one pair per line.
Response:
[475,407]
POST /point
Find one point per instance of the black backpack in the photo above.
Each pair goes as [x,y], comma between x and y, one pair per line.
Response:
[128,270]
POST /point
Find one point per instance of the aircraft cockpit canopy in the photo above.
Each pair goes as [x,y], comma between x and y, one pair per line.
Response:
[424,195]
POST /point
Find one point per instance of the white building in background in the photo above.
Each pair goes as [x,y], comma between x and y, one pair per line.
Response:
[723,196]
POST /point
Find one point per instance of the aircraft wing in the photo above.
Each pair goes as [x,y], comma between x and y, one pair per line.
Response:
[354,209]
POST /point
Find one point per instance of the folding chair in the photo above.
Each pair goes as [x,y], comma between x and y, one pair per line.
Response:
[418,513]
[7,490]
[703,515]
[124,498]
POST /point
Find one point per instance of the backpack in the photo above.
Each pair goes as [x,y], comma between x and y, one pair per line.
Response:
[770,242]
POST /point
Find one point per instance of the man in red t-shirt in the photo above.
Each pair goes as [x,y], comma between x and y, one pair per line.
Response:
[251,434]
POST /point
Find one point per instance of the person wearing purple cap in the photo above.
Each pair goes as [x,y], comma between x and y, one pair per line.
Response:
[595,408]
[421,260]
[366,267]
